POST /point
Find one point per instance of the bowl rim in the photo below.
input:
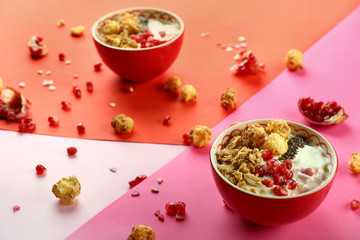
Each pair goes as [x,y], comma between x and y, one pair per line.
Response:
[179,19]
[243,124]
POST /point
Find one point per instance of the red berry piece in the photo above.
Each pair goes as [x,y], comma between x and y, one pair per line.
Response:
[89,87]
[65,105]
[76,91]
[355,204]
[80,128]
[97,66]
[280,191]
[170,208]
[266,154]
[268,182]
[307,171]
[61,57]
[186,139]
[40,170]
[53,121]
[16,208]
[71,151]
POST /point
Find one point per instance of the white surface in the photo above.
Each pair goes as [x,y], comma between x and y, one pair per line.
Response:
[41,216]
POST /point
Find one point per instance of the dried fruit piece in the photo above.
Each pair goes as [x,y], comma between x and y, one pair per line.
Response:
[354,163]
[37,47]
[137,180]
[228,99]
[77,31]
[200,136]
[40,170]
[67,189]
[355,204]
[294,59]
[122,123]
[172,83]
[142,232]
[71,151]
[321,113]
[188,93]
[13,105]
[246,63]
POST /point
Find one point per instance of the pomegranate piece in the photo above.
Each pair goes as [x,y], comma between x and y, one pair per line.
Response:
[37,47]
[186,139]
[268,182]
[13,105]
[166,121]
[80,128]
[280,191]
[321,113]
[137,180]
[53,121]
[76,91]
[27,125]
[16,208]
[62,57]
[40,170]
[157,213]
[272,163]
[288,163]
[65,105]
[291,184]
[97,66]
[161,217]
[278,180]
[71,151]
[155,189]
[260,170]
[170,208]
[246,63]
[89,87]
[266,154]
[180,208]
[355,204]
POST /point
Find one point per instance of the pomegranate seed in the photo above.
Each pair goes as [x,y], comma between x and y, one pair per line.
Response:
[278,179]
[40,170]
[65,105]
[268,182]
[291,184]
[89,87]
[307,171]
[157,213]
[288,174]
[272,163]
[160,180]
[71,151]
[76,91]
[355,204]
[166,121]
[280,169]
[260,170]
[266,154]
[155,189]
[53,121]
[180,208]
[161,217]
[80,128]
[170,208]
[137,180]
[186,138]
[61,57]
[16,208]
[280,191]
[27,125]
[269,172]
[288,163]
[135,193]
[97,66]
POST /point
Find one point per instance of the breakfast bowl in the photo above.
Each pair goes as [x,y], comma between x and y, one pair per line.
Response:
[267,187]
[158,36]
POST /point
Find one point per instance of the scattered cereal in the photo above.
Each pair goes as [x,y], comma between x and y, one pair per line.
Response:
[67,189]
[188,93]
[16,208]
[47,82]
[67,62]
[228,99]
[229,49]
[354,163]
[22,84]
[135,193]
[112,104]
[205,34]
[77,31]
[48,73]
[172,83]
[200,136]
[60,22]
[122,123]
[241,38]
[113,169]
[155,189]
[52,88]
[142,232]
[40,72]
[294,59]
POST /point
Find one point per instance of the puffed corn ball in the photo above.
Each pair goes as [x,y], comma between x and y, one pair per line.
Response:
[276,144]
[354,163]
[172,84]
[77,31]
[294,59]
[228,98]
[200,136]
[142,232]
[122,123]
[67,189]
[280,127]
[188,93]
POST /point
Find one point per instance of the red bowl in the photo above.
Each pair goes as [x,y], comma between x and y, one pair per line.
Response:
[272,210]
[140,64]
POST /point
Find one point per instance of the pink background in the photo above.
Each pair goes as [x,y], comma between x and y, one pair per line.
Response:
[330,73]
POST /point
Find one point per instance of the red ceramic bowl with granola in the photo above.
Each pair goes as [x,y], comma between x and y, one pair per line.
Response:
[138,44]
[273,172]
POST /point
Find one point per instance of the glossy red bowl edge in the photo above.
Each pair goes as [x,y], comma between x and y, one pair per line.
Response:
[139,65]
[270,210]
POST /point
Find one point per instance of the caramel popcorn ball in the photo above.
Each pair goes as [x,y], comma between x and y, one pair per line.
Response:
[142,232]
[67,189]
[200,136]
[77,31]
[294,59]
[172,84]
[228,99]
[188,93]
[276,144]
[354,163]
[122,123]
[253,136]
[280,127]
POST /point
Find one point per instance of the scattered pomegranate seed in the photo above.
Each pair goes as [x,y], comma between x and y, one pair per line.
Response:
[67,62]
[135,193]
[307,171]
[355,204]
[161,217]
[266,154]
[27,125]
[89,87]
[53,121]
[186,138]
[65,105]
[160,180]
[166,121]
[77,92]
[157,213]
[36,46]
[97,66]
[80,128]
[71,151]
[137,180]
[75,76]
[61,57]
[40,72]
[280,191]
[40,170]
[155,189]
[180,208]
[16,208]
[170,208]
[22,84]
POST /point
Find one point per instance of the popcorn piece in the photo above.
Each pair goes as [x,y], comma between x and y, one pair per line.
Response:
[253,136]
[228,98]
[67,189]
[276,144]
[122,123]
[77,31]
[188,93]
[294,59]
[142,232]
[278,126]
[172,83]
[354,163]
[201,136]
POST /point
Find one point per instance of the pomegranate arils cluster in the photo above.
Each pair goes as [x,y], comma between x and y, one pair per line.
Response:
[176,209]
[321,113]
[40,170]
[27,125]
[146,39]
[246,63]
[137,180]
[37,47]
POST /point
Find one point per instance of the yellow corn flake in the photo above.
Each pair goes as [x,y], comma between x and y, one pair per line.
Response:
[276,144]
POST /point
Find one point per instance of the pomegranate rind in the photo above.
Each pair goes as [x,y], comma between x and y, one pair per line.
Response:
[14,105]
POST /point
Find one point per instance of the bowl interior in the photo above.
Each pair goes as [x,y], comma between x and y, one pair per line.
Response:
[313,136]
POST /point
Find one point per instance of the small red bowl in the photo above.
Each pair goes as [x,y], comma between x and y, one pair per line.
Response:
[140,64]
[272,210]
